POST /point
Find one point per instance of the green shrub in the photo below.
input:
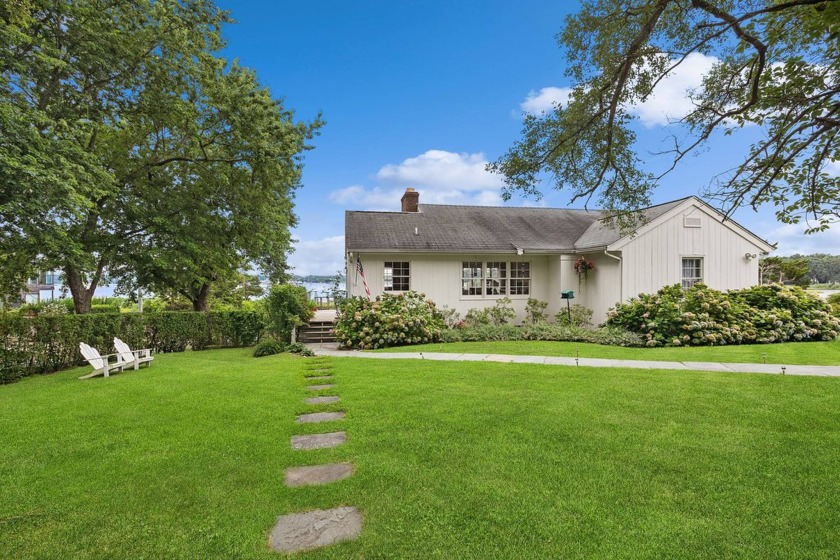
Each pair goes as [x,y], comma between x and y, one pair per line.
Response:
[501,313]
[450,316]
[581,316]
[476,318]
[104,308]
[535,311]
[235,329]
[701,316]
[542,331]
[389,320]
[833,298]
[269,348]
[272,347]
[173,331]
[299,348]
[287,307]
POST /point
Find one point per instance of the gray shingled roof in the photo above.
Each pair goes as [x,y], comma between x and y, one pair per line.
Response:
[482,228]
[600,234]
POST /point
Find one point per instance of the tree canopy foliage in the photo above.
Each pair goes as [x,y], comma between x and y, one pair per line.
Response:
[128,147]
[802,270]
[777,72]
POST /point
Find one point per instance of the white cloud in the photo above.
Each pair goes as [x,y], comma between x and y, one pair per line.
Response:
[319,256]
[439,169]
[833,168]
[669,100]
[440,176]
[545,100]
[792,240]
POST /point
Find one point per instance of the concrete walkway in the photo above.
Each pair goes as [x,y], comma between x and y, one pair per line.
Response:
[331,349]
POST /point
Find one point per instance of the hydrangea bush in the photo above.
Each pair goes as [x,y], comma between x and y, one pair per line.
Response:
[389,320]
[701,316]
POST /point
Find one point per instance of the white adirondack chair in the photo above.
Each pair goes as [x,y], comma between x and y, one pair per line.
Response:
[133,357]
[102,365]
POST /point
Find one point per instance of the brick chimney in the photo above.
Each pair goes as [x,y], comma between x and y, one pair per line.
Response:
[410,200]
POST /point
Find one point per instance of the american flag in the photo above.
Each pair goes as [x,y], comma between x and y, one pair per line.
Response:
[360,270]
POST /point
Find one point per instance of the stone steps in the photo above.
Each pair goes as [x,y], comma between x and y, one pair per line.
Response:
[317,331]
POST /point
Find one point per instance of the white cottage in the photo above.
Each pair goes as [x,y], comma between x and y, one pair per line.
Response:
[469,256]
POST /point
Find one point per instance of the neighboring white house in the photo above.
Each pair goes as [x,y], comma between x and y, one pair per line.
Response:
[469,256]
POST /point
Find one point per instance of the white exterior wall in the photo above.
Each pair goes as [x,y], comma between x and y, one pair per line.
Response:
[439,277]
[653,259]
[599,290]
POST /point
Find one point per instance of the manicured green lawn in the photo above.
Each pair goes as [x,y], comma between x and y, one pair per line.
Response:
[454,460]
[804,353]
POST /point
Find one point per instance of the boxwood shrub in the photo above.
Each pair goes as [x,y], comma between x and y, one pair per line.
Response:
[389,320]
[701,316]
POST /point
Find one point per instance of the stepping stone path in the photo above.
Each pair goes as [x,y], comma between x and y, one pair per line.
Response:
[315,529]
[319,441]
[321,400]
[317,474]
[316,417]
[320,387]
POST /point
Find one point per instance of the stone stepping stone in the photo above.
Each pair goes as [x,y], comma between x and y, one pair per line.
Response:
[317,474]
[316,417]
[319,441]
[320,400]
[320,387]
[315,529]
[319,377]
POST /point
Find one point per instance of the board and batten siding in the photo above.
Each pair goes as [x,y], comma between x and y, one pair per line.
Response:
[439,277]
[653,259]
[599,289]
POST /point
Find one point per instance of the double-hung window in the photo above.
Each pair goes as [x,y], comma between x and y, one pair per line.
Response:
[495,278]
[692,271]
[520,279]
[471,281]
[397,276]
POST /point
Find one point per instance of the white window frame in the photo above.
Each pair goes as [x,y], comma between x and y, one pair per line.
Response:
[493,282]
[688,281]
[516,276]
[407,276]
[469,281]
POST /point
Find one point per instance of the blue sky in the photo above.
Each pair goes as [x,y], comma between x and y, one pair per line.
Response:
[423,94]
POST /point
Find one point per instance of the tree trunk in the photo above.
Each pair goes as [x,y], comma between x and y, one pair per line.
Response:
[82,295]
[201,303]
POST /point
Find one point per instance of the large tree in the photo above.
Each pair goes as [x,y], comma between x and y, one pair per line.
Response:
[778,67]
[227,168]
[121,132]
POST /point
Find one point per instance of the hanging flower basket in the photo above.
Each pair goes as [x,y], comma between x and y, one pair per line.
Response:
[582,266]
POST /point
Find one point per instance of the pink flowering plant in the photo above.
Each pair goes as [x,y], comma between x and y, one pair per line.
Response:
[582,266]
[389,320]
[701,316]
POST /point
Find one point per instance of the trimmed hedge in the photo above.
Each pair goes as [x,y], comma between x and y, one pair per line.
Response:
[34,345]
[701,316]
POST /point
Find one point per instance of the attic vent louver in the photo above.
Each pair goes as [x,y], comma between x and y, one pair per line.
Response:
[688,221]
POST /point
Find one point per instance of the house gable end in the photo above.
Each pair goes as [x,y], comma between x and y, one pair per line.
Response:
[695,203]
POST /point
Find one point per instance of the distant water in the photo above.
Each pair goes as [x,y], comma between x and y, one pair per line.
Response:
[319,288]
